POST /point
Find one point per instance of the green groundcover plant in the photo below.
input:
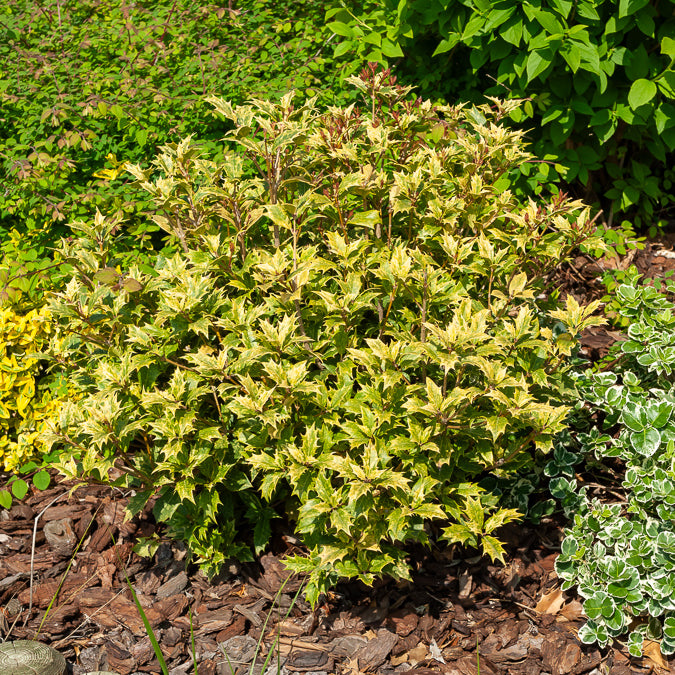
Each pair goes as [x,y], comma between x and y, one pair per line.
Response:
[87,84]
[620,554]
[351,332]
[599,76]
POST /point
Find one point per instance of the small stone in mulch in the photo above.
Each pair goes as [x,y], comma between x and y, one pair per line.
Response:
[239,650]
[173,586]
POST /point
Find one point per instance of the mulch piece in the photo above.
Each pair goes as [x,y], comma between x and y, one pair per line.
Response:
[515,614]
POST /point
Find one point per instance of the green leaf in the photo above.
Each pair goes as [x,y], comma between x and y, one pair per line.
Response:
[493,548]
[19,488]
[572,54]
[537,62]
[391,49]
[447,44]
[646,442]
[548,21]
[563,7]
[590,58]
[475,514]
[141,136]
[664,116]
[587,10]
[342,48]
[366,218]
[474,26]
[628,7]
[277,214]
[117,111]
[5,499]
[637,63]
[498,17]
[599,605]
[341,521]
[632,416]
[669,627]
[41,480]
[27,467]
[146,547]
[373,39]
[460,533]
[668,46]
[641,92]
[340,28]
[261,534]
[500,518]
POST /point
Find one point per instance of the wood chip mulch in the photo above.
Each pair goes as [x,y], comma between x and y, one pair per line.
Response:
[514,615]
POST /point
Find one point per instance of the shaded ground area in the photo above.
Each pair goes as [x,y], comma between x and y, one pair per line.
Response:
[582,277]
[460,616]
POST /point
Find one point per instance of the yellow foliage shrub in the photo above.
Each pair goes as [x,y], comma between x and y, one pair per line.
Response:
[25,402]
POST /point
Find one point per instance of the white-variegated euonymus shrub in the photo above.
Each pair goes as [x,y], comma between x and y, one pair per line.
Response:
[352,332]
[620,552]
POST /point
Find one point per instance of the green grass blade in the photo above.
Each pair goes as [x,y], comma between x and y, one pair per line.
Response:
[148,628]
[192,640]
[276,640]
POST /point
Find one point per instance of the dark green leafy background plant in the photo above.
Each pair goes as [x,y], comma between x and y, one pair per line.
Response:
[598,76]
[86,86]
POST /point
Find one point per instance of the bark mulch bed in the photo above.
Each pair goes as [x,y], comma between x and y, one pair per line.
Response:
[514,614]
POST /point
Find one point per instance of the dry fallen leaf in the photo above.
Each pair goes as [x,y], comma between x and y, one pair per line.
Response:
[352,667]
[435,652]
[652,652]
[550,603]
[572,611]
[398,660]
[417,654]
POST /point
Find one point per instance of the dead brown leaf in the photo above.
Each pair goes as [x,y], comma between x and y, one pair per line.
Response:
[417,654]
[398,660]
[652,652]
[572,611]
[551,602]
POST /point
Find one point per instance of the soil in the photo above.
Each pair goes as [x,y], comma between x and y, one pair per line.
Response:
[461,615]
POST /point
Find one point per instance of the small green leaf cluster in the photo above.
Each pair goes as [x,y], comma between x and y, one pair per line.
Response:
[16,487]
[352,331]
[599,66]
[83,84]
[621,556]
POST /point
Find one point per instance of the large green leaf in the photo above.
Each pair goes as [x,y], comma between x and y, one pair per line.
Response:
[537,62]
[641,92]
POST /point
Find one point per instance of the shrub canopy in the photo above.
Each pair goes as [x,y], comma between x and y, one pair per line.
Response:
[351,332]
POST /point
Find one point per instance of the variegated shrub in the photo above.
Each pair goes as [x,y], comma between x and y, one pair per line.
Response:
[352,333]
